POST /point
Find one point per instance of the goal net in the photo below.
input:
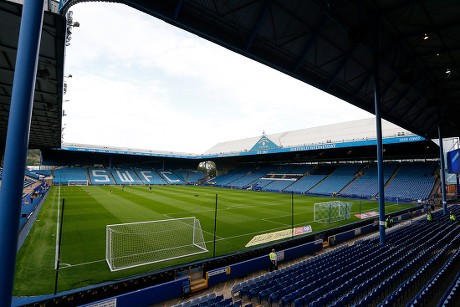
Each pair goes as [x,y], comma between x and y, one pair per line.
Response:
[75,182]
[134,244]
[333,211]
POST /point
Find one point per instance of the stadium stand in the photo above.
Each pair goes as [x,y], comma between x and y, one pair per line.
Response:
[171,177]
[125,177]
[365,185]
[226,179]
[32,196]
[150,176]
[336,181]
[301,169]
[250,177]
[408,270]
[283,169]
[260,184]
[44,173]
[412,182]
[278,185]
[305,183]
[405,182]
[28,182]
[100,176]
[190,176]
[63,175]
[452,295]
[31,174]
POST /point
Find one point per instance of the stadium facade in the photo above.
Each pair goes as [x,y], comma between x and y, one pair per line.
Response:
[348,141]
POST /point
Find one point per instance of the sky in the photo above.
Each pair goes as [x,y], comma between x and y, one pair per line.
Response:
[141,83]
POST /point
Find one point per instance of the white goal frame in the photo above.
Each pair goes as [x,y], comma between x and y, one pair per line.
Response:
[77,182]
[136,244]
[332,211]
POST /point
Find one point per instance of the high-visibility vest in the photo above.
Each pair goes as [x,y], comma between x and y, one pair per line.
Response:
[428,217]
[452,217]
[272,256]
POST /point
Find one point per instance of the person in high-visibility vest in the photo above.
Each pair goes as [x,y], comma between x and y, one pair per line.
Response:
[452,216]
[429,218]
[273,260]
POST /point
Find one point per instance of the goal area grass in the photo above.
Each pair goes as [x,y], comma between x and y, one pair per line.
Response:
[241,215]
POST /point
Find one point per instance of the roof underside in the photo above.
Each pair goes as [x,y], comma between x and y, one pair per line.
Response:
[45,131]
[329,44]
[326,43]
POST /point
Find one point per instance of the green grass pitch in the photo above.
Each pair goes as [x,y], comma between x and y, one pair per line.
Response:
[241,215]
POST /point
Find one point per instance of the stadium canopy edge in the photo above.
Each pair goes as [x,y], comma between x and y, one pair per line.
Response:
[64,5]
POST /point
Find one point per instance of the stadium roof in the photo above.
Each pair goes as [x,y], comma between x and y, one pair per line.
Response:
[328,44]
[352,131]
[45,131]
[354,140]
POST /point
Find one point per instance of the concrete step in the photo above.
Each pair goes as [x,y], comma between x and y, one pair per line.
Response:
[198,284]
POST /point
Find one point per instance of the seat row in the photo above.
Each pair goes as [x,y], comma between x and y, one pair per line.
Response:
[341,277]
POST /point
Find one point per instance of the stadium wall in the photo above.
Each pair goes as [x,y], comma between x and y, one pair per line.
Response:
[145,297]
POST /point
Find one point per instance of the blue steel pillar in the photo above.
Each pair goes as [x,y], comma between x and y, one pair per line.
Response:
[442,170]
[17,142]
[458,185]
[378,122]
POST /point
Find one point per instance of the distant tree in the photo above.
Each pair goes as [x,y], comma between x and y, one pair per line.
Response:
[208,167]
[33,157]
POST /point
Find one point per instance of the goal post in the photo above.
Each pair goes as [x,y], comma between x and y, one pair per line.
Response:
[332,211]
[76,182]
[135,244]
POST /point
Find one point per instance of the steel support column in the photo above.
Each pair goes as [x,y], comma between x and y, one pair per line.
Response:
[17,142]
[442,170]
[378,126]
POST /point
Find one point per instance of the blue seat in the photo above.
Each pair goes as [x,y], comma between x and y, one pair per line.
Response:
[237,304]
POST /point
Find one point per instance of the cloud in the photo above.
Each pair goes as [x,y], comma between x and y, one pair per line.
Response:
[139,82]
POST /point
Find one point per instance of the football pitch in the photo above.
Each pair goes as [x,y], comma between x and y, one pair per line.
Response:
[241,215]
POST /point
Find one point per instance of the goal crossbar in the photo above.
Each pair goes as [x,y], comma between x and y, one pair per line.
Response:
[76,182]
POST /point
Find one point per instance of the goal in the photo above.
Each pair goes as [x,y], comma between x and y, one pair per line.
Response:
[332,211]
[135,244]
[76,182]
